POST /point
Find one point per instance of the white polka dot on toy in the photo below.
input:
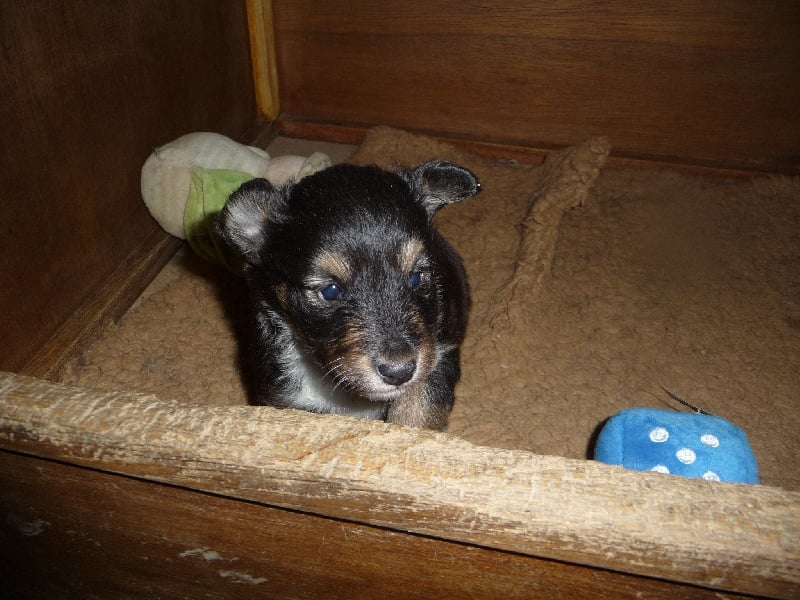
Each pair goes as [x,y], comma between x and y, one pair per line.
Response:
[686,456]
[710,440]
[658,435]
[661,469]
[711,476]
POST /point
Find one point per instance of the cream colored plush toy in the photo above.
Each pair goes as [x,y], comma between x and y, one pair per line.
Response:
[186,182]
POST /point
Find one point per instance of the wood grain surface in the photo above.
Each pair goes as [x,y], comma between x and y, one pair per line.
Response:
[703,83]
[722,536]
[89,90]
[72,532]
[262,53]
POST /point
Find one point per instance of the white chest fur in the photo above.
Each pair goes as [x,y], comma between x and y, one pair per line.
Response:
[315,392]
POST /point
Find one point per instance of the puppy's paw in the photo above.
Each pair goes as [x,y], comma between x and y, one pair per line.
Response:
[417,410]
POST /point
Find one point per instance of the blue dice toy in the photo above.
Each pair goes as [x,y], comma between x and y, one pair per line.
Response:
[680,443]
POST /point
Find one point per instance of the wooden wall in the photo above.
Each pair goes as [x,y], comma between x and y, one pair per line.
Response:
[88,90]
[704,83]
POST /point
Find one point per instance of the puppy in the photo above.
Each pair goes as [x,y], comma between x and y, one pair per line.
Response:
[360,305]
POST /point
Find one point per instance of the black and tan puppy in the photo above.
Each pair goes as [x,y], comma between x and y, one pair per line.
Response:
[360,305]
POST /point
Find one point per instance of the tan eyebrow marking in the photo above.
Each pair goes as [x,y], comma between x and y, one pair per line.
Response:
[409,254]
[281,293]
[334,264]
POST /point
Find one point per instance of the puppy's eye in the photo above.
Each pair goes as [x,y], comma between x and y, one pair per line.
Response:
[415,279]
[331,293]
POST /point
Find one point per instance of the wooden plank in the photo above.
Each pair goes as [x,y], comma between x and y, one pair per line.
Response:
[141,539]
[722,536]
[676,81]
[262,53]
[89,89]
[350,133]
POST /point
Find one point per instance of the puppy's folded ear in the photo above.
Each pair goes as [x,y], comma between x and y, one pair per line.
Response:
[437,183]
[242,223]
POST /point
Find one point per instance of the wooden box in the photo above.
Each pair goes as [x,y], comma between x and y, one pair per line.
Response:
[125,495]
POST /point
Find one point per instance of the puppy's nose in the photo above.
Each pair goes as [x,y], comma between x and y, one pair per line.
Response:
[397,373]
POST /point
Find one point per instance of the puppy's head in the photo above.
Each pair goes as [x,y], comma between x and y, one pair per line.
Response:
[349,259]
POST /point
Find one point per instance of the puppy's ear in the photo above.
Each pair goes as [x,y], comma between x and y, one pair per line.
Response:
[242,223]
[438,183]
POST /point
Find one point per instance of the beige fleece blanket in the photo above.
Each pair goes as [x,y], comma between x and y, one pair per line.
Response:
[591,289]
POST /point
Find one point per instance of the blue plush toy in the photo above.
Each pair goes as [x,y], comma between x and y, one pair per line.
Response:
[680,443]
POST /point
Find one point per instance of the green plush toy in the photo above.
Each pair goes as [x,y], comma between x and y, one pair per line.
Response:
[186,182]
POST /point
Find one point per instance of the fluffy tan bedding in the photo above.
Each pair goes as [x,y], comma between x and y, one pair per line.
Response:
[591,289]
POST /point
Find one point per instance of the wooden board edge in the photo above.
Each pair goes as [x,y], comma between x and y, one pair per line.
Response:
[108,302]
[743,539]
[262,56]
[158,540]
[353,133]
